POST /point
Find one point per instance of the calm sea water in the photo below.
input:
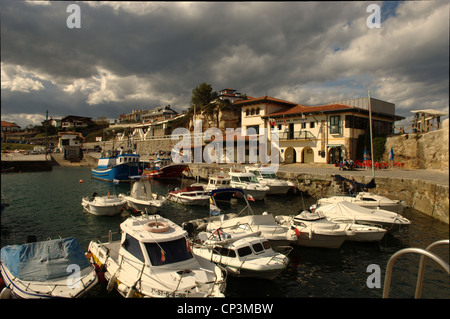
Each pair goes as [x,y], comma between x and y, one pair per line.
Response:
[48,205]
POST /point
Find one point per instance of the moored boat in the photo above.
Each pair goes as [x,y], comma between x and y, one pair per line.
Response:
[267,176]
[313,229]
[242,255]
[153,258]
[118,165]
[249,184]
[276,234]
[348,212]
[366,200]
[192,195]
[164,169]
[108,205]
[141,196]
[48,269]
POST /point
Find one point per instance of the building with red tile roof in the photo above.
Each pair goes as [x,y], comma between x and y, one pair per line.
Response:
[317,134]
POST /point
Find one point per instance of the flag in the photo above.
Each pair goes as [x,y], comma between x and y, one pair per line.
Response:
[284,120]
[391,154]
[296,231]
[213,209]
[250,198]
[163,256]
[188,246]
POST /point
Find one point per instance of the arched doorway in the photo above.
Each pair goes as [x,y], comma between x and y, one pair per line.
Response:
[308,155]
[335,155]
[290,155]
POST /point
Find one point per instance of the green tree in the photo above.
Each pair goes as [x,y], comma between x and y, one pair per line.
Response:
[202,95]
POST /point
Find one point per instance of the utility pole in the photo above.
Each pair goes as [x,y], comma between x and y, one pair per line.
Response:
[46,135]
[371,135]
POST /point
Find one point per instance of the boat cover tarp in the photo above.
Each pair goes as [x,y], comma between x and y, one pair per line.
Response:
[370,184]
[348,209]
[41,261]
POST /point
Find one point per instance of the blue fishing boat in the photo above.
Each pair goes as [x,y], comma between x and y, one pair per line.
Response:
[118,166]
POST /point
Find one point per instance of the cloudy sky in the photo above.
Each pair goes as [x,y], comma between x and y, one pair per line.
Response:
[142,55]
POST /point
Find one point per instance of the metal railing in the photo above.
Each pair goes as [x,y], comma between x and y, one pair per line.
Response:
[296,135]
[425,253]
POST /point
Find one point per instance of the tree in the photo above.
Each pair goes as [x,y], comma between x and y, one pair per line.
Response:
[202,95]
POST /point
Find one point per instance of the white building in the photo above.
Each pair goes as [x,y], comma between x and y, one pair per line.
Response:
[316,134]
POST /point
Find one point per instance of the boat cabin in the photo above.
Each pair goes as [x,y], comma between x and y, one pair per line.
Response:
[243,178]
[218,182]
[243,248]
[155,241]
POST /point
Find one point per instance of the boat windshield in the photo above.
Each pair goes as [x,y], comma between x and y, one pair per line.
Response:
[169,252]
[249,179]
[269,175]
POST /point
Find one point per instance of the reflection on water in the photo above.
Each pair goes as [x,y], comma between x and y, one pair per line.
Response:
[48,205]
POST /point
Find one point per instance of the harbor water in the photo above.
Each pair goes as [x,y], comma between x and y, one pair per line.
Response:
[48,205]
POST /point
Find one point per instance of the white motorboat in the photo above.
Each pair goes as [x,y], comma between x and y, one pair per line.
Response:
[153,258]
[141,196]
[192,195]
[242,255]
[108,205]
[348,212]
[48,269]
[276,234]
[367,200]
[217,182]
[313,229]
[314,232]
[249,184]
[267,176]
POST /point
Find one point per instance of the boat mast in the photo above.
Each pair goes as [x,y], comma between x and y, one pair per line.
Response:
[371,136]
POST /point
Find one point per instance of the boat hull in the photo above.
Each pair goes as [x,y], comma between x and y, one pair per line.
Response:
[278,189]
[172,171]
[121,172]
[110,209]
[189,201]
[320,240]
[51,289]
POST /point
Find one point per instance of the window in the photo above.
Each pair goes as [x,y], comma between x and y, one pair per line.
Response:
[258,247]
[132,245]
[252,112]
[224,251]
[266,245]
[257,111]
[312,124]
[244,251]
[247,112]
[334,124]
[168,252]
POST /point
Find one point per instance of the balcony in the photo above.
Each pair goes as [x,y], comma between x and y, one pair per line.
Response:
[296,135]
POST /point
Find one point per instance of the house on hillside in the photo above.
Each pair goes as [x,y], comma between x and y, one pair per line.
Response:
[70,144]
[71,122]
[8,129]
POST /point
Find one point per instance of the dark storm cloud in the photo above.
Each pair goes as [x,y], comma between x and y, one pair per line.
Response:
[145,54]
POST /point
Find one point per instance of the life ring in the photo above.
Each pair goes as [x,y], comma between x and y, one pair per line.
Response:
[156,227]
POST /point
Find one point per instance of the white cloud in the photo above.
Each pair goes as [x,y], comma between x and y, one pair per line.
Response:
[23,119]
[16,79]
